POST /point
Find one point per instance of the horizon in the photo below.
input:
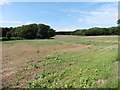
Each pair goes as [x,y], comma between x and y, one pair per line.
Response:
[57,30]
[61,16]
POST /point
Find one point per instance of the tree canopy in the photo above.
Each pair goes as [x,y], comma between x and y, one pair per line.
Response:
[97,31]
[31,31]
[42,31]
[118,22]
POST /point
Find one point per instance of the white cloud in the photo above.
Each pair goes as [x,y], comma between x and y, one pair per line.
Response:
[67,28]
[9,22]
[15,23]
[106,14]
[29,22]
[3,2]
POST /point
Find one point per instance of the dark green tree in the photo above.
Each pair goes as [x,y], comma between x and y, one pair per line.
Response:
[4,31]
[51,33]
[118,22]
[28,31]
[42,31]
[9,35]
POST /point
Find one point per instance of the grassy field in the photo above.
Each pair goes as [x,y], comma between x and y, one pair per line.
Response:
[62,62]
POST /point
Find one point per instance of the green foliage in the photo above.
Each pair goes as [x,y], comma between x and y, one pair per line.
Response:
[9,35]
[85,72]
[118,22]
[51,33]
[114,30]
[4,31]
[79,32]
[64,33]
[98,31]
[30,31]
[44,31]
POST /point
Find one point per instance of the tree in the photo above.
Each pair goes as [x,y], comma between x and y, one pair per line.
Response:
[0,31]
[113,30]
[79,32]
[28,31]
[9,35]
[93,31]
[51,33]
[4,31]
[98,31]
[118,22]
[42,31]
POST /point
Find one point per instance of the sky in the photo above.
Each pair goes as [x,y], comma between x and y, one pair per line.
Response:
[61,16]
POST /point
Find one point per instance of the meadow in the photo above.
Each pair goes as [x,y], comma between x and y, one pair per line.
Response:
[65,61]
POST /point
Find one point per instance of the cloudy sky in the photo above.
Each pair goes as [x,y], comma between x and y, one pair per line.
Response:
[60,15]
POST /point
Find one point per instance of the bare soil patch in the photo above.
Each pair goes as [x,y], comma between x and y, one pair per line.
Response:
[108,48]
[101,81]
[16,55]
[100,36]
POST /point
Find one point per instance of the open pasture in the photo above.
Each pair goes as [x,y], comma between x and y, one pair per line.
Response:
[62,62]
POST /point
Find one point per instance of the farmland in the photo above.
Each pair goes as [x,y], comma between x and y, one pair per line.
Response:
[62,62]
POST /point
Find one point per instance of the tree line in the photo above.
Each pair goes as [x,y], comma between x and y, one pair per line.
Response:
[97,31]
[42,31]
[31,31]
[94,31]
[64,32]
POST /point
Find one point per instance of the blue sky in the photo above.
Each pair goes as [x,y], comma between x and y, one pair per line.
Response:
[61,16]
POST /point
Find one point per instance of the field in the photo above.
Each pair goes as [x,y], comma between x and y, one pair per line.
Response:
[61,62]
